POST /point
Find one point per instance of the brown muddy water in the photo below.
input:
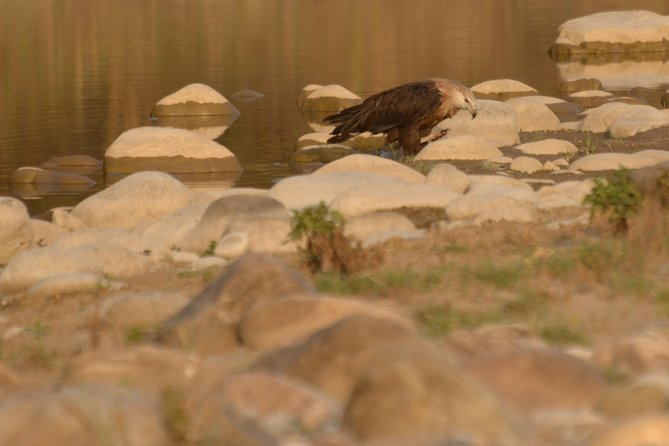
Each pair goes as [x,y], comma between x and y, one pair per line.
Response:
[75,74]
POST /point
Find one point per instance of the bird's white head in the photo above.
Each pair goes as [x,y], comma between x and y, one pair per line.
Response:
[458,96]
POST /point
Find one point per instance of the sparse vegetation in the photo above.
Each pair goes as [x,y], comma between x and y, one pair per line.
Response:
[323,245]
[616,199]
[211,249]
[558,333]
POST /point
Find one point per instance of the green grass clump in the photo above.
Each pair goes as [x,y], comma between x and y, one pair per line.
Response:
[618,199]
[500,276]
[438,320]
[557,333]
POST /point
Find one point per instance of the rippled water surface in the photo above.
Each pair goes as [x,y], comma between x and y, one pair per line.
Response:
[75,74]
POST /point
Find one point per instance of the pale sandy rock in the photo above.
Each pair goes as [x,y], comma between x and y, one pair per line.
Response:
[278,404]
[334,358]
[512,189]
[591,98]
[638,431]
[659,155]
[580,84]
[232,245]
[36,175]
[625,27]
[140,310]
[144,195]
[217,219]
[382,237]
[599,120]
[639,120]
[645,395]
[39,264]
[302,191]
[393,195]
[206,262]
[146,368]
[645,352]
[311,139]
[549,166]
[209,322]
[373,164]
[565,194]
[447,175]
[470,343]
[209,196]
[561,162]
[526,164]
[570,125]
[501,180]
[502,89]
[329,98]
[612,161]
[292,319]
[533,115]
[83,415]
[360,228]
[115,261]
[45,233]
[166,148]
[503,160]
[462,147]
[409,396]
[131,242]
[306,91]
[550,146]
[171,230]
[67,162]
[496,123]
[575,384]
[16,232]
[491,207]
[64,219]
[70,283]
[194,100]
[262,234]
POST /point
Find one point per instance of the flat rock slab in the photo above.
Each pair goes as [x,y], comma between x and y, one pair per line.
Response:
[612,32]
[612,161]
[462,147]
[502,89]
[167,149]
[194,100]
[550,146]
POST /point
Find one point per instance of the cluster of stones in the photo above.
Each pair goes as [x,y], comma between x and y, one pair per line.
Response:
[189,120]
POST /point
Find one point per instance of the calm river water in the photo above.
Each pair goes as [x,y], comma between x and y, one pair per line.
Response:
[75,74]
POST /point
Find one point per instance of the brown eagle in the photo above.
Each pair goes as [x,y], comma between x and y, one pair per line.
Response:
[404,113]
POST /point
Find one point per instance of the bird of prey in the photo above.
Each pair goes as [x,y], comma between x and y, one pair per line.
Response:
[404,113]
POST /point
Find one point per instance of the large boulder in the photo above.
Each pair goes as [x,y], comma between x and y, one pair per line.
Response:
[534,115]
[144,195]
[194,100]
[167,149]
[16,232]
[612,32]
[495,123]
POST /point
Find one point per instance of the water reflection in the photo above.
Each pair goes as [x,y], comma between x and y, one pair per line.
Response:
[200,181]
[618,74]
[211,127]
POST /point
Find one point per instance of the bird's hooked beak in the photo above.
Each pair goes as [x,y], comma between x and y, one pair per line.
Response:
[472,109]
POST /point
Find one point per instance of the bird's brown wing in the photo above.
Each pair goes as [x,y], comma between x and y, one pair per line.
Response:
[397,107]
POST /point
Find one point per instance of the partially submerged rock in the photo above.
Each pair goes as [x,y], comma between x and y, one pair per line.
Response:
[329,98]
[194,100]
[167,149]
[612,32]
[502,89]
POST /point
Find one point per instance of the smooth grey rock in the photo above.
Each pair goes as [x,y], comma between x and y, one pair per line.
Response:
[144,195]
[16,232]
[221,213]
